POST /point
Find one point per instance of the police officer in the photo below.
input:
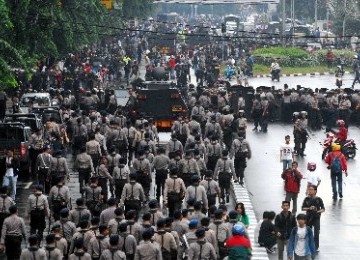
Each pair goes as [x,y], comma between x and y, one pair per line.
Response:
[5,203]
[127,242]
[59,197]
[113,252]
[93,196]
[174,145]
[224,169]
[188,168]
[222,233]
[213,129]
[58,167]
[121,177]
[84,166]
[142,167]
[79,135]
[166,240]
[211,187]
[79,253]
[33,251]
[13,231]
[37,209]
[132,195]
[174,191]
[197,192]
[52,253]
[84,233]
[60,241]
[99,243]
[43,162]
[67,227]
[130,132]
[147,249]
[160,164]
[201,249]
[213,153]
[101,140]
[240,150]
[93,149]
[36,142]
[79,213]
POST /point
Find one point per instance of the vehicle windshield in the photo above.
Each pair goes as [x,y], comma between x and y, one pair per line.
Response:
[31,122]
[11,133]
[35,101]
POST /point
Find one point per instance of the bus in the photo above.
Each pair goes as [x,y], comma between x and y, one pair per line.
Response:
[233,24]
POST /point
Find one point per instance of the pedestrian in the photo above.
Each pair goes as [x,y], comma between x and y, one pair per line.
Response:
[242,216]
[11,172]
[127,242]
[201,249]
[33,251]
[265,216]
[37,210]
[286,153]
[120,177]
[313,177]
[93,197]
[267,236]
[148,250]
[301,241]
[43,162]
[59,197]
[103,176]
[142,168]
[224,170]
[166,241]
[314,207]
[240,150]
[79,213]
[196,192]
[238,246]
[83,232]
[67,228]
[108,213]
[132,195]
[58,168]
[284,223]
[174,191]
[292,178]
[212,188]
[84,166]
[12,234]
[337,164]
[160,165]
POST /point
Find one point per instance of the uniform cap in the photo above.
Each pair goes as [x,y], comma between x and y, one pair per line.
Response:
[193,223]
[200,233]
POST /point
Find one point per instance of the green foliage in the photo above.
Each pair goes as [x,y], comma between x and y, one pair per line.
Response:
[321,56]
[280,52]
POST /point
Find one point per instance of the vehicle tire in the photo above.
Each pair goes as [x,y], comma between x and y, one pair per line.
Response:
[324,153]
[351,153]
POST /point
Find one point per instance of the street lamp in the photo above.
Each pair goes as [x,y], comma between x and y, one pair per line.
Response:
[316,14]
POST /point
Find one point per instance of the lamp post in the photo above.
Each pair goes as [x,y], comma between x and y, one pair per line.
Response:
[316,14]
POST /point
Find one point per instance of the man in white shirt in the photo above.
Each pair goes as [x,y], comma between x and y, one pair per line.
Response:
[313,177]
[286,153]
[11,173]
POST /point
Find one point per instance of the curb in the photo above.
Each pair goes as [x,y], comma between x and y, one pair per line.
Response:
[301,74]
[241,194]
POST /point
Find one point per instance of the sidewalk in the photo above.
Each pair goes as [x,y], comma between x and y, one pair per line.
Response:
[301,74]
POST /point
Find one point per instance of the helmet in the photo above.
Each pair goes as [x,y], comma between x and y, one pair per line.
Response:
[303,113]
[336,147]
[238,229]
[340,122]
[311,166]
[296,114]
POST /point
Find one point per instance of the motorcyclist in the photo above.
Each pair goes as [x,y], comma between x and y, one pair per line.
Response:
[341,135]
[275,67]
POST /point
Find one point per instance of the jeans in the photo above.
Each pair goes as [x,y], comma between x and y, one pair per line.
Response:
[316,224]
[281,244]
[306,257]
[336,177]
[286,164]
[11,181]
[292,196]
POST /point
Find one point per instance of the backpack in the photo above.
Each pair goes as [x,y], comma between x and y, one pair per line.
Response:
[336,164]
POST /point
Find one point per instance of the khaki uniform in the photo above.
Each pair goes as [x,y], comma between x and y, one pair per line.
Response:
[224,166]
[135,229]
[5,203]
[58,166]
[130,243]
[132,190]
[92,193]
[38,202]
[113,254]
[86,235]
[240,146]
[197,192]
[222,232]
[173,146]
[148,251]
[33,253]
[75,215]
[173,184]
[61,244]
[114,224]
[68,229]
[59,192]
[165,240]
[97,245]
[213,129]
[53,253]
[107,214]
[93,148]
[202,249]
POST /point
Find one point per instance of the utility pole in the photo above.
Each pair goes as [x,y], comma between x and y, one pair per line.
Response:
[316,14]
[283,22]
[344,21]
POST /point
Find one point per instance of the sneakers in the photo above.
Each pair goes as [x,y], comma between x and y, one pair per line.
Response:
[334,196]
[341,195]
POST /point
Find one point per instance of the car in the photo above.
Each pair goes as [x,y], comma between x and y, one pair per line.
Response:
[31,120]
[45,113]
[16,136]
[28,101]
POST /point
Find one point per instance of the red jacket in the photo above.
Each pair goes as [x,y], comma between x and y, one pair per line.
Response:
[172,63]
[342,134]
[330,157]
[292,180]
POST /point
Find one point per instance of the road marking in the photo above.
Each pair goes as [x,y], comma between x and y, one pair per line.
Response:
[28,185]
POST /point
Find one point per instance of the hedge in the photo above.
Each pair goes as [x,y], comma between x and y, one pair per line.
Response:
[321,56]
[279,52]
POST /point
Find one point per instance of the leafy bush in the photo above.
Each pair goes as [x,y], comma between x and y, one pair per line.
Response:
[321,56]
[280,52]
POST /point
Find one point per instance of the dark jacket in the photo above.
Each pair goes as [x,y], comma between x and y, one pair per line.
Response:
[284,224]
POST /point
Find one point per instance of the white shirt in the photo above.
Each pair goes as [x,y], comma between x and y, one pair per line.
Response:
[313,178]
[300,245]
[287,151]
[9,171]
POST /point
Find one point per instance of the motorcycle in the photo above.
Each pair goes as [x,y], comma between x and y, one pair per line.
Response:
[339,74]
[327,144]
[348,148]
[275,75]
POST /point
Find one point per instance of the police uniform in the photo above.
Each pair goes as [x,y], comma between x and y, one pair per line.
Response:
[97,245]
[148,251]
[114,224]
[174,190]
[103,175]
[142,168]
[222,233]
[92,194]
[53,253]
[240,149]
[43,162]
[37,208]
[135,229]
[147,143]
[68,229]
[173,146]
[33,252]
[189,168]
[113,253]
[213,153]
[127,243]
[132,196]
[58,168]
[120,177]
[79,136]
[160,164]
[166,241]
[198,193]
[224,170]
[212,190]
[93,149]
[86,235]
[5,203]
[59,197]
[102,141]
[213,129]
[202,249]
[130,132]
[36,142]
[79,213]
[84,165]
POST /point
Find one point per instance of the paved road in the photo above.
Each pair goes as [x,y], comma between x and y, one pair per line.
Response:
[340,226]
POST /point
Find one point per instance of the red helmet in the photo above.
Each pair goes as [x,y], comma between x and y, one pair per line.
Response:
[311,166]
[340,122]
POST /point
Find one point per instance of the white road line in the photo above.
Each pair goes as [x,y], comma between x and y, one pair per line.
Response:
[28,185]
